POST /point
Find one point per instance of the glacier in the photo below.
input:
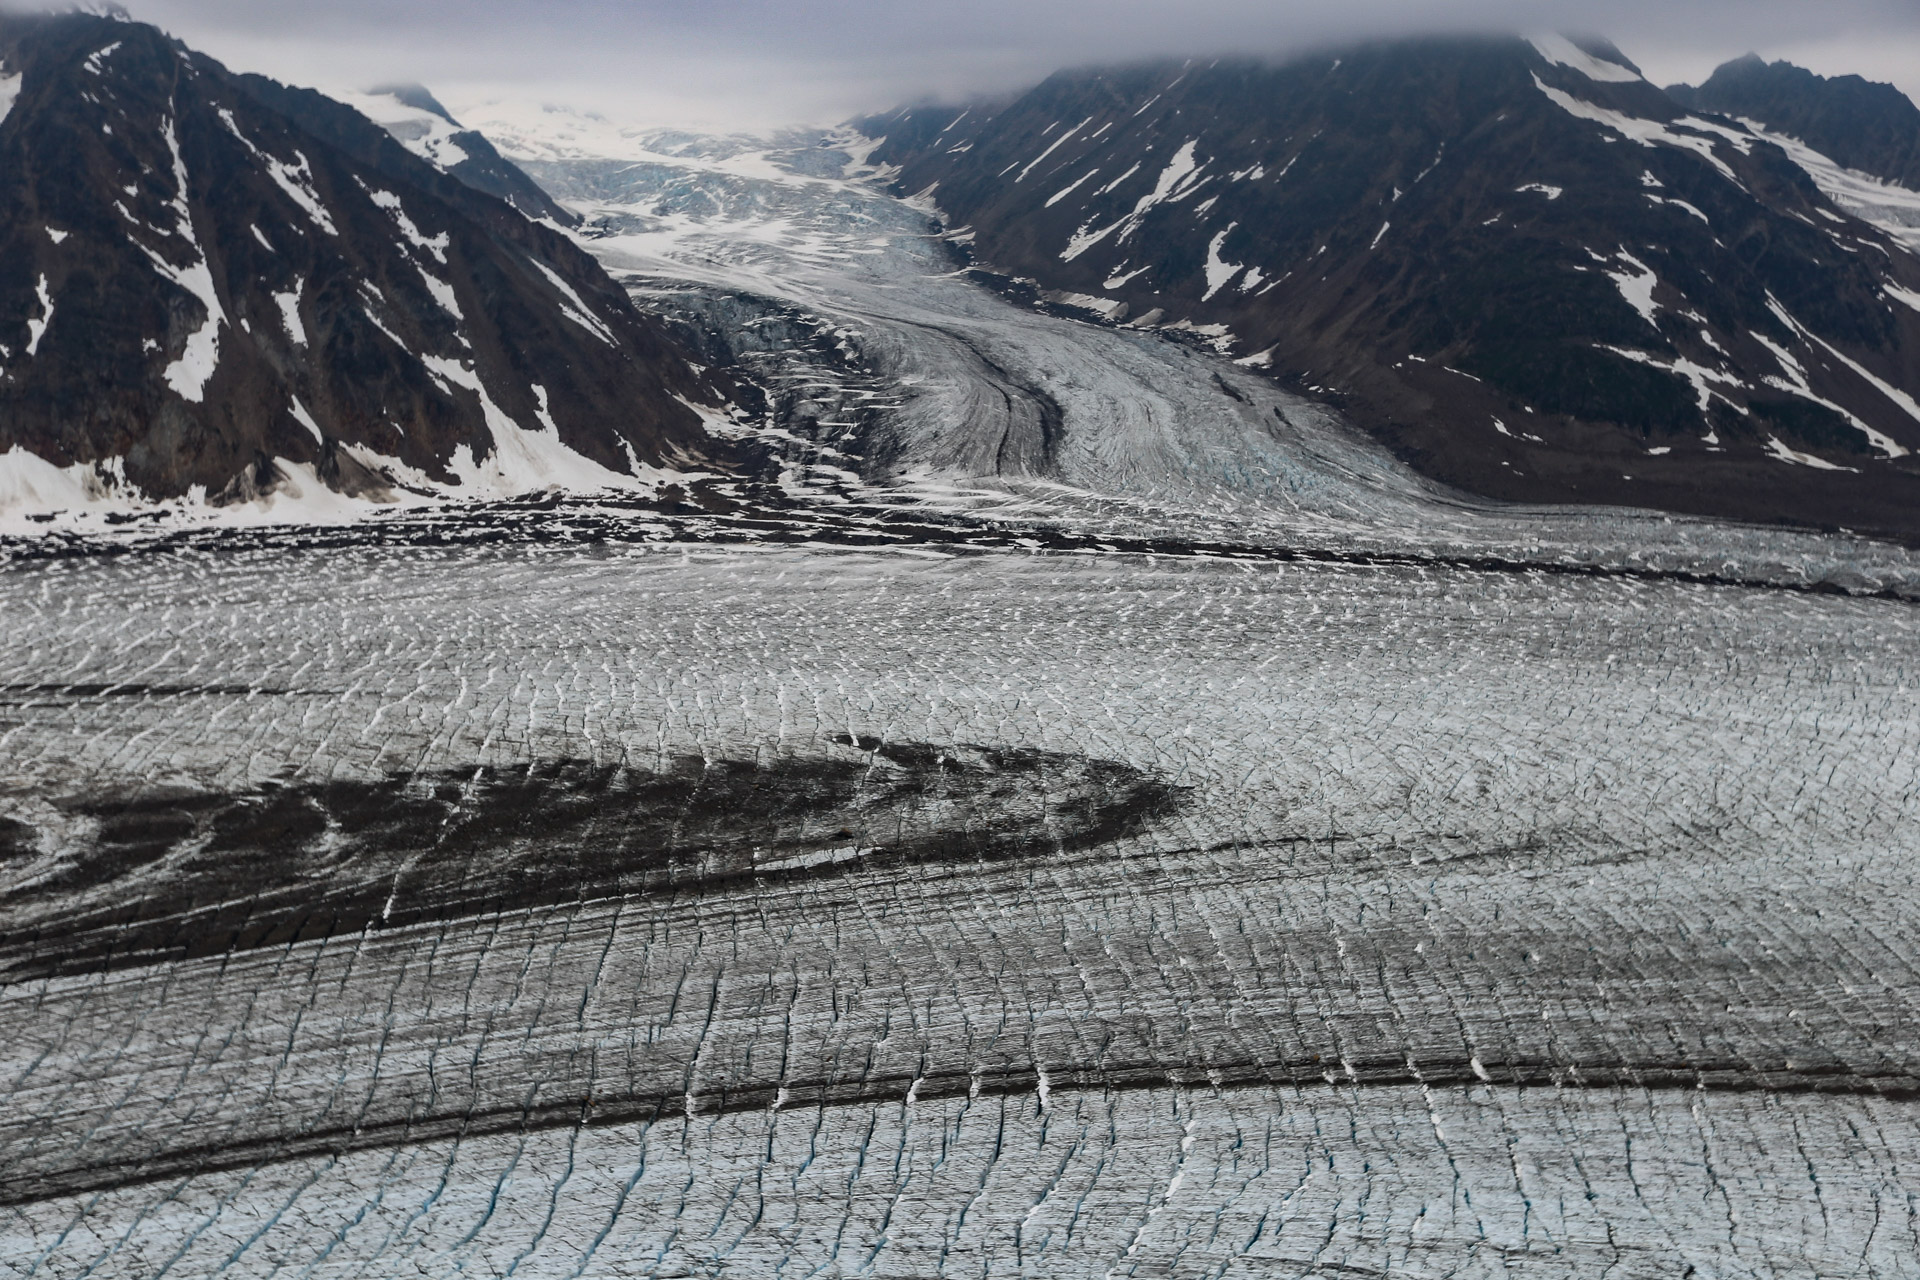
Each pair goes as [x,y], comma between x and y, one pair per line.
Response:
[1094,814]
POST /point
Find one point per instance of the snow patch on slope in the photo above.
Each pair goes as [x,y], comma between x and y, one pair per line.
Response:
[1057,143]
[289,304]
[578,312]
[9,94]
[1181,178]
[1700,376]
[96,61]
[1647,133]
[436,245]
[37,327]
[1220,273]
[29,483]
[522,461]
[1798,384]
[296,180]
[1794,456]
[188,375]
[1637,286]
[1069,189]
[305,419]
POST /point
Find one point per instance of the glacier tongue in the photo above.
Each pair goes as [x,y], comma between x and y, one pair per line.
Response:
[985,406]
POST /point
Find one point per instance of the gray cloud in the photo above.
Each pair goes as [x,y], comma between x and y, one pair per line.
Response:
[743,62]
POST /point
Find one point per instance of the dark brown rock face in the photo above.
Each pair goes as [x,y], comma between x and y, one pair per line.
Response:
[206,279]
[1529,271]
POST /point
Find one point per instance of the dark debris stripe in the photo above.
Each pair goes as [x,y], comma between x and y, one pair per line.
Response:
[755,515]
[23,1187]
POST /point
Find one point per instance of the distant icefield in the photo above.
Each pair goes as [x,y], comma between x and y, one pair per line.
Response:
[434,906]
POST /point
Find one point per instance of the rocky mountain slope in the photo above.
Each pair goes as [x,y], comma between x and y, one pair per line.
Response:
[213,285]
[1873,128]
[1525,268]
[420,123]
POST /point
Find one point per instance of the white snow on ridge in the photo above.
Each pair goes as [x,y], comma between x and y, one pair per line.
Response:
[1563,52]
[420,131]
[9,94]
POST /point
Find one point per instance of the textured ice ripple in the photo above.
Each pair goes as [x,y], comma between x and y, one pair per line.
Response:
[1401,1182]
[1508,922]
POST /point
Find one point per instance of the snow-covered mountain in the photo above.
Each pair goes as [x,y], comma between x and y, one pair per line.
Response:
[214,289]
[417,119]
[1525,268]
[1859,141]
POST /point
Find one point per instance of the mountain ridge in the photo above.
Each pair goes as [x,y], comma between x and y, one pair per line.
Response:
[1866,126]
[1450,239]
[201,295]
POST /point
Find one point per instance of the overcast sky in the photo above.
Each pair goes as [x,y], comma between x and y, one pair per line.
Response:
[742,63]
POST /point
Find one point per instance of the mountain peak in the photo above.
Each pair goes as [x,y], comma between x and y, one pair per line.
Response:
[416,96]
[1867,126]
[210,283]
[420,123]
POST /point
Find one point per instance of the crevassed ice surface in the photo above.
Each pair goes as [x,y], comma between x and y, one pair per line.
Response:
[1467,923]
[1502,923]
